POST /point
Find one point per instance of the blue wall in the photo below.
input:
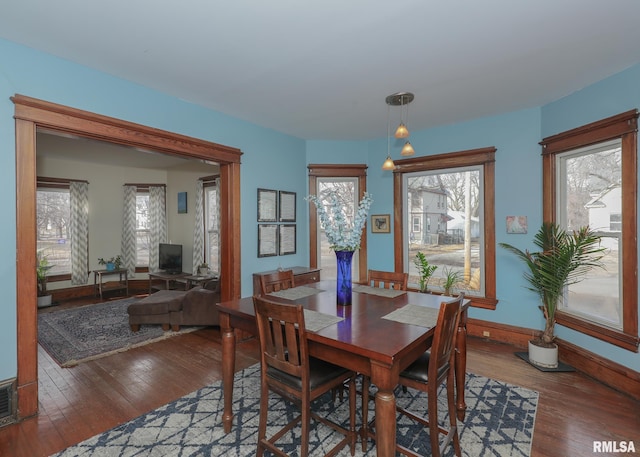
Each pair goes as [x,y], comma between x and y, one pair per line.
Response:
[276,161]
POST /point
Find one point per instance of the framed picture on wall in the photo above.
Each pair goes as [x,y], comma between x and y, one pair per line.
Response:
[380,223]
[287,239]
[287,206]
[267,240]
[267,205]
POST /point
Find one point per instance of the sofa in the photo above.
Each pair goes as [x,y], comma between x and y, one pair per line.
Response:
[173,308]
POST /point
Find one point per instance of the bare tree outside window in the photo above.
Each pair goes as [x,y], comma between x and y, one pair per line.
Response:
[143,235]
[443,212]
[53,215]
[591,194]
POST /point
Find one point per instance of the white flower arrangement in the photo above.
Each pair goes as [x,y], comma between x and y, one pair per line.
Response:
[342,233]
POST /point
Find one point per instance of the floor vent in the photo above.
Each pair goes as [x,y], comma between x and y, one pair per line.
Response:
[7,397]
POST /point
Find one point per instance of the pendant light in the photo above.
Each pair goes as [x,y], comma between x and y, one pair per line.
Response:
[401,99]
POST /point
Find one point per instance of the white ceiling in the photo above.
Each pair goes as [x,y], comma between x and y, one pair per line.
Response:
[322,69]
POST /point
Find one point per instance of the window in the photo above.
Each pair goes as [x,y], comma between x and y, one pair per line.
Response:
[212,226]
[453,197]
[350,183]
[591,178]
[143,235]
[53,217]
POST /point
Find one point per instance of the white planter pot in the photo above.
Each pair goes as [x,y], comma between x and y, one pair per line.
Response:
[44,301]
[543,357]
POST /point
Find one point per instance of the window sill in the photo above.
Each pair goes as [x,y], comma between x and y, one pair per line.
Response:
[615,337]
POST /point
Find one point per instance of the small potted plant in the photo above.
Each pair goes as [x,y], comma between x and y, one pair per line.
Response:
[114,263]
[564,259]
[203,269]
[425,271]
[452,278]
[42,268]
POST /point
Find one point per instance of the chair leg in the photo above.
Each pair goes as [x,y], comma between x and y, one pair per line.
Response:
[453,420]
[262,424]
[364,432]
[352,415]
[434,431]
[306,421]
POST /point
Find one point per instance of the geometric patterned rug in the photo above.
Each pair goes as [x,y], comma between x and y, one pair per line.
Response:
[499,422]
[75,335]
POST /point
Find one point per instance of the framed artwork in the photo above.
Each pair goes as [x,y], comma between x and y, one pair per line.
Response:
[267,240]
[516,224]
[381,223]
[287,206]
[182,202]
[267,205]
[287,239]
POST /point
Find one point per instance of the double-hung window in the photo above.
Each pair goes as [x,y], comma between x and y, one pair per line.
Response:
[212,224]
[349,182]
[53,220]
[143,234]
[590,177]
[444,209]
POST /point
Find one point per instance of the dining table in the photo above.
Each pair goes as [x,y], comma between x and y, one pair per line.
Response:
[381,333]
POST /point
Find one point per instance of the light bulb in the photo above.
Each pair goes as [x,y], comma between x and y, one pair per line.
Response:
[388,164]
[407,150]
[401,131]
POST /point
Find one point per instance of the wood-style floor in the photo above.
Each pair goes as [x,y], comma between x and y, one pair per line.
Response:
[77,403]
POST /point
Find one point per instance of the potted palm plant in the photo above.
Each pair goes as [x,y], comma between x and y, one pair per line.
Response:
[564,259]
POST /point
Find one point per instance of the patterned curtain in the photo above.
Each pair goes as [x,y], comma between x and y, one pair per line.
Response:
[216,222]
[128,240]
[158,224]
[79,231]
[198,229]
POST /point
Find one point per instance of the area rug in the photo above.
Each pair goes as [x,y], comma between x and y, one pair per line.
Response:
[499,423]
[75,335]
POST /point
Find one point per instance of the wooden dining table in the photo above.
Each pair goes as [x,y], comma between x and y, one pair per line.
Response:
[360,337]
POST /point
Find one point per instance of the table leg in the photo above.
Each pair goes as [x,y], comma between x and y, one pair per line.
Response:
[461,365]
[385,410]
[228,365]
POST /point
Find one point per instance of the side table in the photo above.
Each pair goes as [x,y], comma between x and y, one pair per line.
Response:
[99,286]
[198,280]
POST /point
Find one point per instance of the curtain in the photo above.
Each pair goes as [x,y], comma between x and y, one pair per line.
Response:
[158,224]
[79,231]
[216,223]
[128,240]
[198,229]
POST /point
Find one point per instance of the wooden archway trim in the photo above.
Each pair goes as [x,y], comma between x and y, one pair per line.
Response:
[32,115]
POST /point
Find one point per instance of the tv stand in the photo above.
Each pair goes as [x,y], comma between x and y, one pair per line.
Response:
[162,280]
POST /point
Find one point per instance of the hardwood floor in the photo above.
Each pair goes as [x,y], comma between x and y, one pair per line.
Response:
[77,403]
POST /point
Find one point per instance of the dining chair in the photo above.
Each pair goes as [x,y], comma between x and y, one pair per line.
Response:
[277,281]
[433,368]
[387,279]
[288,370]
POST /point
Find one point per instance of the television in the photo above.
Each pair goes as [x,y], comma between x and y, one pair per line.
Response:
[170,258]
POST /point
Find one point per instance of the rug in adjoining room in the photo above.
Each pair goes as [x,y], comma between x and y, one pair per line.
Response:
[499,423]
[74,335]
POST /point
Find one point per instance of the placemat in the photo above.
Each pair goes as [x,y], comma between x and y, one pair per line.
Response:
[314,321]
[415,314]
[296,293]
[390,293]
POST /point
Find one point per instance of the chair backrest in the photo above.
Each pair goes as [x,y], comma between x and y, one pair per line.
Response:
[444,339]
[274,282]
[388,279]
[282,334]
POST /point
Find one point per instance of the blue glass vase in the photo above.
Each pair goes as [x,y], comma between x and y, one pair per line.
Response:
[343,277]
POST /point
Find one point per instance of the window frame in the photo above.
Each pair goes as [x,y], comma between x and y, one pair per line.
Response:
[208,183]
[141,191]
[316,171]
[43,183]
[484,157]
[624,127]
